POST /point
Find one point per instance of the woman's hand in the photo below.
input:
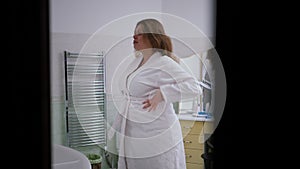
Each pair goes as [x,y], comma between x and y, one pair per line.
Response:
[152,103]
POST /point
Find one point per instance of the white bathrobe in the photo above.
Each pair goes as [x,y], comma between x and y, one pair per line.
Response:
[152,139]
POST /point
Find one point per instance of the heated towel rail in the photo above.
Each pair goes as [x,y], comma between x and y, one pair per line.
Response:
[85,98]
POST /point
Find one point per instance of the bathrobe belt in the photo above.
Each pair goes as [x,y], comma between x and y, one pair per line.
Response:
[132,99]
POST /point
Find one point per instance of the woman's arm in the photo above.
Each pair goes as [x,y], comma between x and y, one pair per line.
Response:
[180,89]
[173,85]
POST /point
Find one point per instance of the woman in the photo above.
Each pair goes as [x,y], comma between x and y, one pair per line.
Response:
[150,133]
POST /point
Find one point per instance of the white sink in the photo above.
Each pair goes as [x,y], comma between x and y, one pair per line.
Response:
[67,158]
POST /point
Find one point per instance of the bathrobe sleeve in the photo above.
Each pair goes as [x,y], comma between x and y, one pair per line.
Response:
[176,83]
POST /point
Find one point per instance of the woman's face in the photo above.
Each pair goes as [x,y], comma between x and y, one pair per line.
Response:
[140,41]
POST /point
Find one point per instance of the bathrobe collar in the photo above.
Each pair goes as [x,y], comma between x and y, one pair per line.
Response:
[154,57]
[151,61]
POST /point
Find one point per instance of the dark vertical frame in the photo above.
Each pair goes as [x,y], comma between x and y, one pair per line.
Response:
[26,85]
[223,137]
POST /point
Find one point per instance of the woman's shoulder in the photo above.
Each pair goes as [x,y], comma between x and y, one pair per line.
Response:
[166,59]
[169,61]
[165,63]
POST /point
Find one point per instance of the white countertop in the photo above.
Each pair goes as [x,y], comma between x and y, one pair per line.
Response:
[190,116]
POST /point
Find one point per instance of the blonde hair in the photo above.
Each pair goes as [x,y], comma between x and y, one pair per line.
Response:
[154,31]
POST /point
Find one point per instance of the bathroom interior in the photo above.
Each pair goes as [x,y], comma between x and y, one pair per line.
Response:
[81,28]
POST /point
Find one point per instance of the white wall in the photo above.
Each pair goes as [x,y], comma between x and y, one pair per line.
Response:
[87,16]
[201,13]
